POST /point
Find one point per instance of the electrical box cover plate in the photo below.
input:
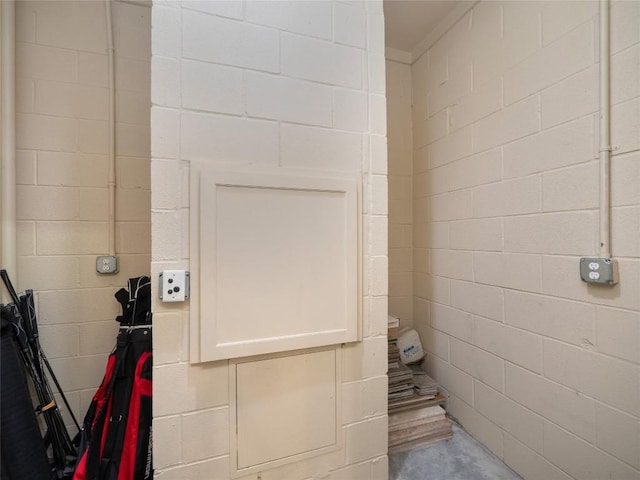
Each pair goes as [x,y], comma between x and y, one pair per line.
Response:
[602,271]
[174,285]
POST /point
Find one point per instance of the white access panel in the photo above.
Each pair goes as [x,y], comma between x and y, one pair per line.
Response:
[276,261]
[284,409]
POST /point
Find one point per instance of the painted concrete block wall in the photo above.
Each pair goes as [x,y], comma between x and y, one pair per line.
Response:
[266,85]
[400,151]
[540,367]
[62,174]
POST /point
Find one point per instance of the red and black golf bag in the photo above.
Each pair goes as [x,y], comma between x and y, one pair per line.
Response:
[116,432]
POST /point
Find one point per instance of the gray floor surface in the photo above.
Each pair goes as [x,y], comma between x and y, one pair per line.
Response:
[461,458]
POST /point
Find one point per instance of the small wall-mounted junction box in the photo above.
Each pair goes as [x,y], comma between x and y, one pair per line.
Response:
[174,285]
[107,264]
[599,270]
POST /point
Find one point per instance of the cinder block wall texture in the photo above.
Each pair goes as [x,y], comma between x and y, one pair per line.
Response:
[62,175]
[400,152]
[540,367]
[298,85]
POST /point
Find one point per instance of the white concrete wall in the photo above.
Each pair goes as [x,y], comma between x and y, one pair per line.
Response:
[540,367]
[400,150]
[297,85]
[62,174]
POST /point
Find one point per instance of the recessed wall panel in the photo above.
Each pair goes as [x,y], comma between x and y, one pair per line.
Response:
[281,262]
[278,263]
[285,407]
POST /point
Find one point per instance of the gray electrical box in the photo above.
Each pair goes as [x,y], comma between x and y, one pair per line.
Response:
[599,270]
[107,264]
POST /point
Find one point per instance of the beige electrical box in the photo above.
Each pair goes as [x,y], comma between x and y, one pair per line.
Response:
[274,262]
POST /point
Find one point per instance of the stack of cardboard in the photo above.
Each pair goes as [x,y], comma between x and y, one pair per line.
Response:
[416,428]
[400,376]
[423,394]
[394,355]
[400,383]
[416,417]
[393,329]
[414,402]
[423,384]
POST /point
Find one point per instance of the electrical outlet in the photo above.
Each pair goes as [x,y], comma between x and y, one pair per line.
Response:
[107,264]
[174,285]
[603,271]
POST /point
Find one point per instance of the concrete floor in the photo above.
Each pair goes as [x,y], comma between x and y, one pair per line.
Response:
[461,458]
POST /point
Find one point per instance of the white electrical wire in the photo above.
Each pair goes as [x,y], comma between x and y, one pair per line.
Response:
[112,137]
[605,133]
